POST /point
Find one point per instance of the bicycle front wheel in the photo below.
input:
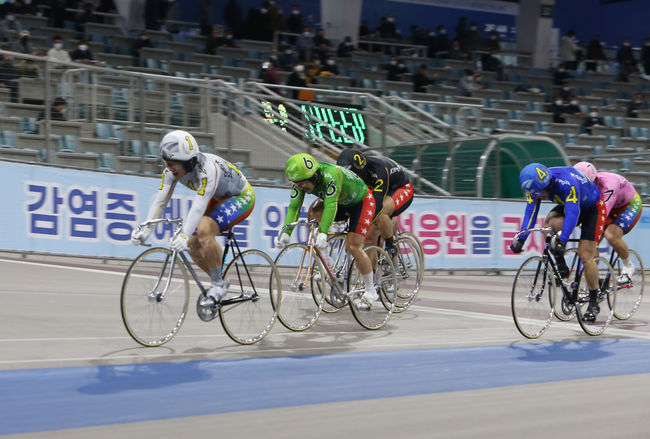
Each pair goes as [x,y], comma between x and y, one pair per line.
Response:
[155,296]
[533,297]
[409,270]
[250,308]
[606,299]
[302,277]
[630,290]
[385,282]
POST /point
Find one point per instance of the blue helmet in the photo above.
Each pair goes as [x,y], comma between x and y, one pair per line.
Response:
[534,178]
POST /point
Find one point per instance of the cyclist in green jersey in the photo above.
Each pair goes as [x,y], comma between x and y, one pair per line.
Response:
[344,197]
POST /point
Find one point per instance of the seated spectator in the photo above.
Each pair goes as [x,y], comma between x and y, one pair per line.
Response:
[269,75]
[345,49]
[593,119]
[214,41]
[9,75]
[565,92]
[455,52]
[82,53]
[313,69]
[330,67]
[23,44]
[492,42]
[287,58]
[558,109]
[466,85]
[421,79]
[491,63]
[297,78]
[561,75]
[57,110]
[142,41]
[394,69]
[10,28]
[28,68]
[57,53]
[322,46]
[637,103]
[305,44]
[573,107]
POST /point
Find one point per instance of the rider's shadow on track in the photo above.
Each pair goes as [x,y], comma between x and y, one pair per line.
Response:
[570,351]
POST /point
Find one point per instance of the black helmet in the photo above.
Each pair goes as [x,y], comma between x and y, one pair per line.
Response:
[354,160]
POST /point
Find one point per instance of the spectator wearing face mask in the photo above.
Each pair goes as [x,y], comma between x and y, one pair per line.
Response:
[10,27]
[269,74]
[322,45]
[443,45]
[565,92]
[394,69]
[297,78]
[57,53]
[232,16]
[294,23]
[387,28]
[421,79]
[466,85]
[455,52]
[287,58]
[593,119]
[305,43]
[82,53]
[472,38]
[329,67]
[558,108]
[346,47]
[573,107]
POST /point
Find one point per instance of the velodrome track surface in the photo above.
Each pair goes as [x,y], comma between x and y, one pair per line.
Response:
[452,366]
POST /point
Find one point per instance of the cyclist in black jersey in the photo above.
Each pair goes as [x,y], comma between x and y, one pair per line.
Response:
[389,182]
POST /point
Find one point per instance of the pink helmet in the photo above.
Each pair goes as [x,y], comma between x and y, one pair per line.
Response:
[588,169]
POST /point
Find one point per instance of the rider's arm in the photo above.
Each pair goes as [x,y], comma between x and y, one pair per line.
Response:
[530,216]
[293,212]
[165,190]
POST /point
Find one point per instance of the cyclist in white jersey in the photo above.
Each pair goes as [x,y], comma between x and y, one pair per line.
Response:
[223,199]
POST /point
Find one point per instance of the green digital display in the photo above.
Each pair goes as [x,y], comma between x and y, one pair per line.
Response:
[344,119]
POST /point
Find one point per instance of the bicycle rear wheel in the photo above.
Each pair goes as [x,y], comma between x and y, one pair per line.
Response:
[417,241]
[385,282]
[155,296]
[564,310]
[302,277]
[250,308]
[533,297]
[340,261]
[409,271]
[606,299]
[630,292]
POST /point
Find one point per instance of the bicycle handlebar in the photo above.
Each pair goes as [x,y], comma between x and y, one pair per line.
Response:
[311,223]
[536,229]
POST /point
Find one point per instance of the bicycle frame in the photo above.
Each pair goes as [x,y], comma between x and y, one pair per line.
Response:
[231,245]
[313,226]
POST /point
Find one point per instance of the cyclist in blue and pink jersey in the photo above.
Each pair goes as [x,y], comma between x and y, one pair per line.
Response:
[579,202]
[623,206]
[223,199]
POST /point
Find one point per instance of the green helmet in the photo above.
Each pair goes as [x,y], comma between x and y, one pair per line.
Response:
[300,167]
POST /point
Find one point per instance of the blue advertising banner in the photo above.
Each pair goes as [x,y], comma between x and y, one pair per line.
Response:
[65,211]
